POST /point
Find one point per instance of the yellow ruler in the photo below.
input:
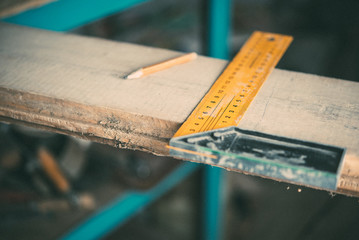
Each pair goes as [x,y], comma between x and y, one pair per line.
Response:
[229,97]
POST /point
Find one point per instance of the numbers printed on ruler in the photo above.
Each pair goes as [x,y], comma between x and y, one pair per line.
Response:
[229,97]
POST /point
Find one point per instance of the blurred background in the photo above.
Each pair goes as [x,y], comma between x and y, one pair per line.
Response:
[32,206]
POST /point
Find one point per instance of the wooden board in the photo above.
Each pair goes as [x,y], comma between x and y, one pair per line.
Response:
[12,7]
[74,85]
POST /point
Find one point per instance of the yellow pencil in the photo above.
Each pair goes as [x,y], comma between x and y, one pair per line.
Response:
[162,65]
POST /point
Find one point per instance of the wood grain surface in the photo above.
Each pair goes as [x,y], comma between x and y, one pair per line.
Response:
[75,85]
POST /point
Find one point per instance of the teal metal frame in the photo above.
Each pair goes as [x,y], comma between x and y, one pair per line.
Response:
[219,28]
[215,178]
[126,206]
[64,15]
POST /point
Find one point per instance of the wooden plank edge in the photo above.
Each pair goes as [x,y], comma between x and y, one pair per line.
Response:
[121,129]
[109,126]
[348,182]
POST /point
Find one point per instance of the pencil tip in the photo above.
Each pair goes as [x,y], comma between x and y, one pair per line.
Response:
[135,74]
[194,54]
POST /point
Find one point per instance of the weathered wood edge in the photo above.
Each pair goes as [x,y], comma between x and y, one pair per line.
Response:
[115,128]
[109,126]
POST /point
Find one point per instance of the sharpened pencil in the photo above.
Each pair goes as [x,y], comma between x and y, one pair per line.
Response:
[162,65]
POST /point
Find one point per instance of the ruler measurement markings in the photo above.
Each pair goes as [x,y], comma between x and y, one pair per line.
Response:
[200,115]
[213,112]
[220,115]
[210,122]
[216,119]
[246,89]
[237,86]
